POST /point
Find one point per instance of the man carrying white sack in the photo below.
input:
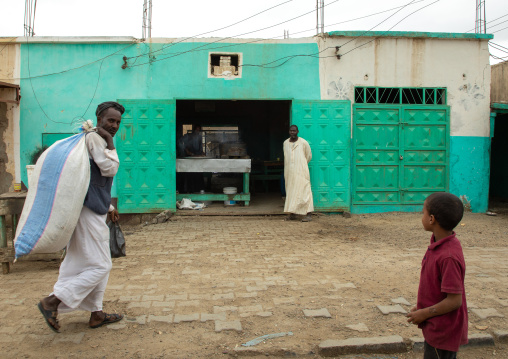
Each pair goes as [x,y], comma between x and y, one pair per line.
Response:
[85,270]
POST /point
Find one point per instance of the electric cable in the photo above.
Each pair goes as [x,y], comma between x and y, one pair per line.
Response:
[230,37]
[204,33]
[474,28]
[423,7]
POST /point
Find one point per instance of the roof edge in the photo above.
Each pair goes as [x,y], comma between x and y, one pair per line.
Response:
[411,34]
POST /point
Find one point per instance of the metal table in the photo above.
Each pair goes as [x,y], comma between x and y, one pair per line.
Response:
[11,203]
[203,165]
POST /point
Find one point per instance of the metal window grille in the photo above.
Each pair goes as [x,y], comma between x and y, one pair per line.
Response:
[401,95]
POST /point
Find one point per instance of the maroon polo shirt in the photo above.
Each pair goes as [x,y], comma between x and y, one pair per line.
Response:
[443,271]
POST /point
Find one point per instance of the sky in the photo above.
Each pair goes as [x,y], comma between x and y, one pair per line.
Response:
[254,19]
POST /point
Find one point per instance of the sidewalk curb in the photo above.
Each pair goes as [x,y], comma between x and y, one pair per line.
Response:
[386,345]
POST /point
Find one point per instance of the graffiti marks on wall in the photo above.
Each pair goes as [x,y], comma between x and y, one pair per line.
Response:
[340,89]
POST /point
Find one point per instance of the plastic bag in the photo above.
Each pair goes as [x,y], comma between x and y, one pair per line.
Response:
[116,240]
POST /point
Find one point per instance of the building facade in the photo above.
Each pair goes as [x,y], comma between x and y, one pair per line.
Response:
[391,117]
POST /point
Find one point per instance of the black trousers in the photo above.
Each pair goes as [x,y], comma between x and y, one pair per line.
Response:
[429,352]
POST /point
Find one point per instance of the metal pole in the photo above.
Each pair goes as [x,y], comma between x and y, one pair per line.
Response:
[317,17]
[322,16]
[149,19]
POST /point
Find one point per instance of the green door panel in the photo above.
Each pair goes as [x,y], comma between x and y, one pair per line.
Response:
[376,173]
[326,125]
[400,153]
[146,149]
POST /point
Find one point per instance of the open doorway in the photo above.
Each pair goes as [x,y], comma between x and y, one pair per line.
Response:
[237,129]
[498,192]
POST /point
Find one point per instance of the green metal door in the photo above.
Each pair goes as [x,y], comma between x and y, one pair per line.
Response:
[146,148]
[400,153]
[326,125]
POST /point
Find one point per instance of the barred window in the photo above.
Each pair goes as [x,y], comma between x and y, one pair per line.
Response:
[401,95]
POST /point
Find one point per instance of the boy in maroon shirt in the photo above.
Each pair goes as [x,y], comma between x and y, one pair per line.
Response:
[441,310]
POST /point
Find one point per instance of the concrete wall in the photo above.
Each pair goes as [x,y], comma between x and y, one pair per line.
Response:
[499,85]
[9,115]
[458,62]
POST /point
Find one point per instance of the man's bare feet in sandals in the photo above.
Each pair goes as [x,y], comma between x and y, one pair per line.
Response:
[98,319]
[307,218]
[49,309]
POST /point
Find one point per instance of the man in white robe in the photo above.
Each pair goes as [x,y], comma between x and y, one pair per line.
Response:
[85,270]
[297,155]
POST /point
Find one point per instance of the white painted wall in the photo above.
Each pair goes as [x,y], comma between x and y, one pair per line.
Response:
[460,65]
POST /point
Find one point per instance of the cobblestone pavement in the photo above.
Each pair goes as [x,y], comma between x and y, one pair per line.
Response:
[199,287]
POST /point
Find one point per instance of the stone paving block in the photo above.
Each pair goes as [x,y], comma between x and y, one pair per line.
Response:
[246,295]
[232,325]
[386,345]
[501,335]
[41,338]
[188,303]
[116,326]
[487,313]
[140,319]
[480,340]
[176,297]
[200,296]
[8,330]
[160,318]
[134,286]
[387,309]
[115,287]
[223,296]
[69,338]
[360,327]
[264,314]
[191,271]
[218,316]
[400,300]
[504,303]
[417,343]
[15,338]
[220,309]
[284,300]
[139,305]
[250,308]
[344,285]
[163,304]
[158,298]
[256,288]
[314,313]
[186,317]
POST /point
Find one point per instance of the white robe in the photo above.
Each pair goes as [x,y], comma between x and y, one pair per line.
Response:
[85,270]
[297,155]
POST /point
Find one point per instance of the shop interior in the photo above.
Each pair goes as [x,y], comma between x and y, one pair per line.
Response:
[236,129]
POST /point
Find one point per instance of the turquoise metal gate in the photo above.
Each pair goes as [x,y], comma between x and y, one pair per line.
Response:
[400,153]
[146,148]
[326,125]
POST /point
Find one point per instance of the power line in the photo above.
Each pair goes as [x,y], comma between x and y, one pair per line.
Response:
[204,33]
[393,26]
[71,69]
[225,38]
[504,28]
[489,22]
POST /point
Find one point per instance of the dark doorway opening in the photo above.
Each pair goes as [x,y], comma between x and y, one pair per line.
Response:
[254,129]
[498,193]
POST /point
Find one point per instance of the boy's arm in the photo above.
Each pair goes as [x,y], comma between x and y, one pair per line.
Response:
[450,303]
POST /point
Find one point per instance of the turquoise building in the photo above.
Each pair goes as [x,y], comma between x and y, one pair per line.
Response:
[391,117]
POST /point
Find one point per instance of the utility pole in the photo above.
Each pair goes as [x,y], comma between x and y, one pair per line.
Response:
[147,20]
[480,25]
[320,16]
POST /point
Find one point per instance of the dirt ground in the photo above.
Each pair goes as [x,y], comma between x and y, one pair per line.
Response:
[260,272]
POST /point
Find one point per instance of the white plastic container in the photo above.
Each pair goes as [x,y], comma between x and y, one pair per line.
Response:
[229,190]
[29,174]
